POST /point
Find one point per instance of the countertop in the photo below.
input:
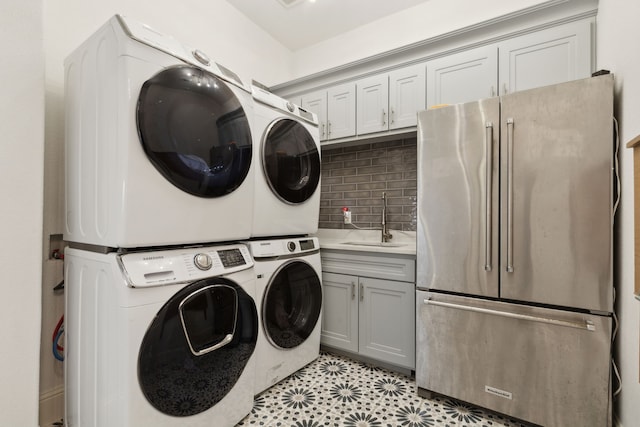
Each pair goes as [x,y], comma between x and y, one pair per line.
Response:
[402,243]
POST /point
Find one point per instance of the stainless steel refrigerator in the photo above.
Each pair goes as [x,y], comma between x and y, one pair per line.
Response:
[514,272]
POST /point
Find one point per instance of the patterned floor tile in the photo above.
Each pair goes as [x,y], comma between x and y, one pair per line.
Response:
[335,391]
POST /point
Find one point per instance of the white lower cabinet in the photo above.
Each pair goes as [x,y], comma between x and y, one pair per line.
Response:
[372,317]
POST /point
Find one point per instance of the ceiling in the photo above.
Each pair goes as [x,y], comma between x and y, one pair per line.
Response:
[307,22]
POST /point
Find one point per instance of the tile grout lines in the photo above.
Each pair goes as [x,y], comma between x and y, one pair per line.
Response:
[335,391]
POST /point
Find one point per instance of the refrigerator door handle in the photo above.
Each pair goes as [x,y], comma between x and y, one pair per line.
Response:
[488,189]
[510,195]
[586,325]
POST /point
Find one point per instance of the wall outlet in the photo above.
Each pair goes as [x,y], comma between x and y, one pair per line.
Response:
[347,217]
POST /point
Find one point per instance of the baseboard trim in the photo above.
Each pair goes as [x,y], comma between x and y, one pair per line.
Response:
[51,406]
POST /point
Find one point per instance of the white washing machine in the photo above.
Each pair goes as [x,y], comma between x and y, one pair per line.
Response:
[287,198]
[289,293]
[159,143]
[160,338]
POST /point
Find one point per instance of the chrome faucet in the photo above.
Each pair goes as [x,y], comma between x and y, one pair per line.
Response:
[386,236]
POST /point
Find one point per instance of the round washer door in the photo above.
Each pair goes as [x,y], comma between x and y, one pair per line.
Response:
[197,347]
[194,131]
[291,161]
[291,304]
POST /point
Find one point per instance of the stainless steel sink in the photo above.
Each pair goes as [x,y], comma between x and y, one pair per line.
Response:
[372,243]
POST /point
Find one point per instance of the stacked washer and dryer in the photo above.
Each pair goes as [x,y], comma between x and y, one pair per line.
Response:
[176,174]
[287,260]
[161,314]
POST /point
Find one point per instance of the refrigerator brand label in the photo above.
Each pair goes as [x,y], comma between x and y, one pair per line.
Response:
[498,392]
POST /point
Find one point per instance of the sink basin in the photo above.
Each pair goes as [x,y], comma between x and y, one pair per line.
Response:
[372,243]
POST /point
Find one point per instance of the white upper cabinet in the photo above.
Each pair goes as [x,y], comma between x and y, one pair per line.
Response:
[316,102]
[336,110]
[341,111]
[462,77]
[406,96]
[387,103]
[546,57]
[373,104]
[390,101]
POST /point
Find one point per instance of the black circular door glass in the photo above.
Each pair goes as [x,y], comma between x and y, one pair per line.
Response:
[291,161]
[194,131]
[291,304]
[197,347]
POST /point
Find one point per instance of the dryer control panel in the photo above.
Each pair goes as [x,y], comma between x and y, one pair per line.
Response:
[183,265]
[267,98]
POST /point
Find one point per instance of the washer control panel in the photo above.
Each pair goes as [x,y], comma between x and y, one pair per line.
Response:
[183,265]
[202,261]
[283,247]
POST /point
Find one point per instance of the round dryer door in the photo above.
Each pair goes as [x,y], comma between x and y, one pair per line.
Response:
[197,347]
[291,304]
[195,131]
[291,161]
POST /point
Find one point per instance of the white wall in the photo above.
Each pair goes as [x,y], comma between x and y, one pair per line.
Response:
[421,22]
[212,26]
[21,189]
[617,20]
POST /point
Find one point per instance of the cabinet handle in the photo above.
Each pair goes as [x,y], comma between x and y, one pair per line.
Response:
[493,91]
[384,117]
[328,128]
[361,292]
[504,89]
[393,116]
[322,131]
[510,195]
[353,290]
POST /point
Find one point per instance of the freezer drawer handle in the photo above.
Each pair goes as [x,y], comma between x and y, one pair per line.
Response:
[587,324]
[509,195]
[488,188]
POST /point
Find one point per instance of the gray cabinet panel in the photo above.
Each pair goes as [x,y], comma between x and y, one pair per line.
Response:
[387,327]
[366,313]
[340,311]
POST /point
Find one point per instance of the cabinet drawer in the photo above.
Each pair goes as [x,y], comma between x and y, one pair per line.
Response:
[388,266]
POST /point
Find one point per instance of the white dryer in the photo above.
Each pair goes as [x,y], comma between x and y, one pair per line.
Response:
[160,338]
[289,292]
[159,142]
[287,198]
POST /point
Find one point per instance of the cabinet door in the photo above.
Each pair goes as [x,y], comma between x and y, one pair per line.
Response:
[316,102]
[387,321]
[341,111]
[555,55]
[463,77]
[339,311]
[372,104]
[406,96]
